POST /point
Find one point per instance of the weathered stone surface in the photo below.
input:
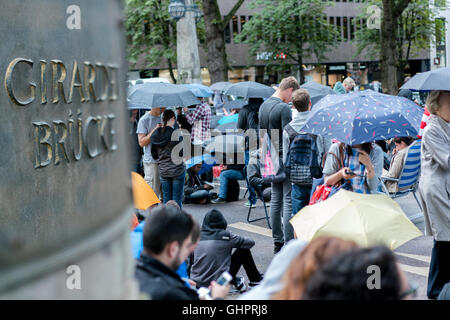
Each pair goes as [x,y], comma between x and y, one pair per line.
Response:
[64,152]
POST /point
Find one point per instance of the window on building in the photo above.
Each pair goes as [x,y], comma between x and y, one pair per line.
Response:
[235,27]
[339,28]
[352,28]
[345,24]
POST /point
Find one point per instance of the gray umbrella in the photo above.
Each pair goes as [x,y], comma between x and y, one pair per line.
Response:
[149,95]
[235,104]
[316,91]
[220,86]
[249,89]
[438,79]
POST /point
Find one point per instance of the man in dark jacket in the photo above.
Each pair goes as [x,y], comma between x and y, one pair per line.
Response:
[168,241]
[213,254]
[195,190]
[274,115]
[248,116]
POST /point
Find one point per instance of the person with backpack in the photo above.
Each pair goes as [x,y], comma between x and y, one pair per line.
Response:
[301,152]
[274,115]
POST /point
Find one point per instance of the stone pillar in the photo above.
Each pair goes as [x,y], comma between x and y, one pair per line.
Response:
[188,60]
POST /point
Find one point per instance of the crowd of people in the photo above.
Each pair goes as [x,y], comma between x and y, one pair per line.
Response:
[325,268]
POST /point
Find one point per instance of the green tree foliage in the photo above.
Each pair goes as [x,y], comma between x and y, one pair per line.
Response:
[151,33]
[292,29]
[415,28]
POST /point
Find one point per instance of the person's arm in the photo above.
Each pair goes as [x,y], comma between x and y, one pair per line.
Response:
[438,147]
[194,116]
[395,169]
[286,144]
[286,116]
[375,169]
[144,139]
[241,242]
[154,129]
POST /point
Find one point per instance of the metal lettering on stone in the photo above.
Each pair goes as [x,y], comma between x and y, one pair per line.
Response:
[64,154]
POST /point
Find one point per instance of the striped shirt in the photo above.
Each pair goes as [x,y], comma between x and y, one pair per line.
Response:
[200,119]
[423,124]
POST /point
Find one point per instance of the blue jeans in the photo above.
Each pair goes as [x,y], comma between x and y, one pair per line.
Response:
[300,197]
[173,188]
[197,195]
[233,175]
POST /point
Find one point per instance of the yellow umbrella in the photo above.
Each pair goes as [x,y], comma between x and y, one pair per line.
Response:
[143,194]
[366,219]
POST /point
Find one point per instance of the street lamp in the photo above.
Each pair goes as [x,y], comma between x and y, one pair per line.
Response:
[178,8]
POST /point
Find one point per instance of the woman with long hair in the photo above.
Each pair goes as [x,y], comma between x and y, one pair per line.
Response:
[359,167]
[172,171]
[317,252]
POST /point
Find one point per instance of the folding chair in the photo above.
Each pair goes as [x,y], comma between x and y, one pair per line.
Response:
[259,195]
[409,177]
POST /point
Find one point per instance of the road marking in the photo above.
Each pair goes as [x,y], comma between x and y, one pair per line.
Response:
[415,256]
[251,228]
[421,271]
[218,185]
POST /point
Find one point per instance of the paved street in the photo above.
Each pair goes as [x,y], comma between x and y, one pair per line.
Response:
[413,256]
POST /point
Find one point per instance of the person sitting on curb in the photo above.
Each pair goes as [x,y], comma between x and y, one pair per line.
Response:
[168,241]
[195,190]
[213,254]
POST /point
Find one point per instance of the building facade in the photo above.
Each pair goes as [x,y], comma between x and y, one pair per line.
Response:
[340,62]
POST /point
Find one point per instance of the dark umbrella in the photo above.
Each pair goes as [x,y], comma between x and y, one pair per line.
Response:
[249,89]
[438,79]
[149,95]
[364,116]
[220,86]
[235,104]
[317,91]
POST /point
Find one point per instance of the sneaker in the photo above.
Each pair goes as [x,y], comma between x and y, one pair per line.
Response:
[240,285]
[277,247]
[218,200]
[255,283]
[247,204]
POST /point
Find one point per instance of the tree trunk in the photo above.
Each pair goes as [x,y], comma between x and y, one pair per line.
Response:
[389,52]
[172,76]
[216,57]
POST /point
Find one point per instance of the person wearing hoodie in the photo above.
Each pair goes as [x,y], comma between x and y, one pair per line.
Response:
[172,175]
[273,277]
[213,255]
[301,101]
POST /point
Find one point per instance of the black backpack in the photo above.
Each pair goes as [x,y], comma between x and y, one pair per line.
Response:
[233,191]
[302,163]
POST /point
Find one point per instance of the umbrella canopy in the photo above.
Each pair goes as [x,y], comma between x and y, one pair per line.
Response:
[220,86]
[317,91]
[199,90]
[250,89]
[152,95]
[235,104]
[438,79]
[228,119]
[364,116]
[143,194]
[368,220]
